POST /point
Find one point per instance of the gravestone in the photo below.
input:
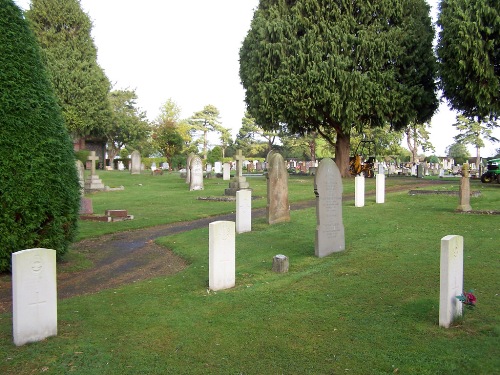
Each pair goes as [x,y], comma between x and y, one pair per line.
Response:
[451,279]
[359,191]
[121,167]
[80,169]
[380,188]
[221,257]
[153,166]
[330,236]
[217,167]
[226,174]
[34,295]
[239,182]
[243,211]
[278,208]
[280,263]
[420,171]
[93,182]
[135,162]
[188,168]
[208,170]
[464,191]
[196,172]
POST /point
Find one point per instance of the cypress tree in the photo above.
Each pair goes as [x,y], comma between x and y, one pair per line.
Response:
[39,189]
[63,31]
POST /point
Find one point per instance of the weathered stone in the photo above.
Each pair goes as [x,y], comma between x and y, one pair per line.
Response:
[278,208]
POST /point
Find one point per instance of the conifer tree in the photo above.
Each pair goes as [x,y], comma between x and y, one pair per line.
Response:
[39,188]
[63,32]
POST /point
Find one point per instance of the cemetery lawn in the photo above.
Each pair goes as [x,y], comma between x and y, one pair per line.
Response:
[372,309]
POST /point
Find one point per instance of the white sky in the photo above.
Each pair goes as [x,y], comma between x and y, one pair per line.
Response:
[188,50]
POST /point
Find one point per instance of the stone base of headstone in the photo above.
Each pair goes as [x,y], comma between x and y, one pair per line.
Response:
[93,183]
[86,206]
[238,183]
[280,263]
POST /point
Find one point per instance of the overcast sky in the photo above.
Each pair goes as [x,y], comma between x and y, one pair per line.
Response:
[188,50]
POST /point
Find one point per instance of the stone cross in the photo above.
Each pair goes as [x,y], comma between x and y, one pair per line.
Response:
[93,158]
[239,163]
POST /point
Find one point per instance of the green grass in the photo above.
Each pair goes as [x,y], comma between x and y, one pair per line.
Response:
[372,309]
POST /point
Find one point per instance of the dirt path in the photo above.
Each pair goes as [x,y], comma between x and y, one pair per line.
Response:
[125,257]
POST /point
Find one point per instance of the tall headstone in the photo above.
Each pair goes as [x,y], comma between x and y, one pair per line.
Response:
[380,188]
[222,255]
[278,208]
[243,211]
[464,191]
[81,175]
[209,170]
[196,172]
[451,279]
[188,168]
[359,191]
[34,295]
[217,167]
[135,162]
[226,172]
[93,182]
[330,235]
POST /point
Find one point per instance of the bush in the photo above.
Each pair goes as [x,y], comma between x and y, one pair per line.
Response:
[39,188]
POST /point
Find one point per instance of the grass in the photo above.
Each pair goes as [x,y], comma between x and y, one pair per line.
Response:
[372,309]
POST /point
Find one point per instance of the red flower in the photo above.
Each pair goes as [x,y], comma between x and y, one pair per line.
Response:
[470,299]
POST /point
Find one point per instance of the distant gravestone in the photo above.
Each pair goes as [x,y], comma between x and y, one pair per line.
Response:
[80,169]
[217,167]
[238,182]
[196,172]
[380,188]
[153,166]
[330,236]
[121,167]
[243,211]
[359,191]
[93,182]
[135,162]
[226,174]
[209,170]
[464,191]
[451,279]
[188,168]
[278,208]
[34,295]
[222,255]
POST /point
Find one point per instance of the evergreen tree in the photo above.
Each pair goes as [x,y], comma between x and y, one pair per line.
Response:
[39,188]
[330,66]
[469,56]
[63,32]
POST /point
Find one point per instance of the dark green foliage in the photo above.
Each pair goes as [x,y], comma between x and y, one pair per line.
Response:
[63,32]
[39,189]
[469,55]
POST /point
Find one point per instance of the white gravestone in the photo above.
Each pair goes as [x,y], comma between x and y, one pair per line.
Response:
[34,295]
[330,236]
[222,257]
[380,188]
[226,172]
[359,191]
[451,279]
[217,167]
[243,211]
[196,173]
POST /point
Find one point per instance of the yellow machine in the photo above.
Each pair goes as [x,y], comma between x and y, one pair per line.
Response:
[363,159]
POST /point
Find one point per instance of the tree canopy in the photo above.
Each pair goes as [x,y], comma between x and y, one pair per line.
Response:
[63,32]
[469,56]
[39,188]
[327,66]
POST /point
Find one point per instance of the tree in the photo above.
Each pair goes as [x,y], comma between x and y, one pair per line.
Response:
[128,124]
[459,152]
[39,188]
[63,32]
[472,132]
[225,140]
[328,67]
[417,135]
[166,137]
[205,121]
[469,56]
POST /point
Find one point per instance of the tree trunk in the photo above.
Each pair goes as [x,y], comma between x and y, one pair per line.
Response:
[342,149]
[112,153]
[312,147]
[478,157]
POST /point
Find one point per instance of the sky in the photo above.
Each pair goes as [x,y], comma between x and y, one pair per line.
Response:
[188,51]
